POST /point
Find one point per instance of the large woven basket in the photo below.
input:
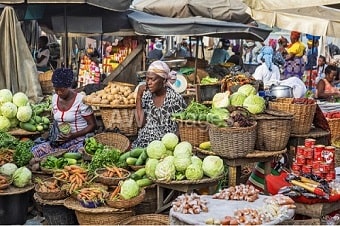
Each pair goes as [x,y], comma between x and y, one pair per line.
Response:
[124,204]
[334,126]
[146,219]
[273,131]
[120,118]
[194,132]
[303,114]
[45,80]
[232,142]
[115,140]
[110,180]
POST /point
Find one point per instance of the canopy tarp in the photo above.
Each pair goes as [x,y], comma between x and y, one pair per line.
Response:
[316,20]
[153,25]
[286,4]
[226,10]
[17,68]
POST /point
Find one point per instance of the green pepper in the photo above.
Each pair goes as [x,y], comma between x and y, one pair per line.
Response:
[202,117]
[191,116]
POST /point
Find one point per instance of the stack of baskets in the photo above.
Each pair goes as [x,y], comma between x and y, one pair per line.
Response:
[45,80]
[303,113]
[273,130]
[334,126]
[232,142]
[195,132]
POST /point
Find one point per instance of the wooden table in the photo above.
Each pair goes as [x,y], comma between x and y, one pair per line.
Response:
[164,199]
[256,156]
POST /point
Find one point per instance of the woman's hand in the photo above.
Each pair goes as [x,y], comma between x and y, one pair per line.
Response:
[64,137]
[140,91]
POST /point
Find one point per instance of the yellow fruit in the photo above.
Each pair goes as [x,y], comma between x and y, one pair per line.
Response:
[205,145]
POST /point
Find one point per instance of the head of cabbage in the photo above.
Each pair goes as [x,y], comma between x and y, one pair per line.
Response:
[8,169]
[221,100]
[247,90]
[5,96]
[184,148]
[165,171]
[20,99]
[237,99]
[156,149]
[129,189]
[22,177]
[181,163]
[150,168]
[254,104]
[212,166]
[24,113]
[9,110]
[194,172]
[5,124]
[170,140]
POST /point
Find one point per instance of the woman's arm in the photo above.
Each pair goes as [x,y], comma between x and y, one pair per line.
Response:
[321,91]
[140,116]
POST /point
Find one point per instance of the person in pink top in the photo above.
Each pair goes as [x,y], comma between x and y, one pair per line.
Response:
[67,108]
[325,88]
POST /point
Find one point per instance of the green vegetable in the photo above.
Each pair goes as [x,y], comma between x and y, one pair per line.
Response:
[45,120]
[156,149]
[129,189]
[9,110]
[208,80]
[5,96]
[124,156]
[20,99]
[165,171]
[65,128]
[72,155]
[212,166]
[105,157]
[136,152]
[221,100]
[141,159]
[40,128]
[37,119]
[150,167]
[8,169]
[23,154]
[170,140]
[22,177]
[144,182]
[135,177]
[247,90]
[141,172]
[71,161]
[8,141]
[179,175]
[24,113]
[237,99]
[183,149]
[28,126]
[131,160]
[254,104]
[5,124]
[182,162]
[196,160]
[194,172]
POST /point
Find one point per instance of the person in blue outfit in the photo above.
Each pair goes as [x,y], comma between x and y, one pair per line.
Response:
[220,55]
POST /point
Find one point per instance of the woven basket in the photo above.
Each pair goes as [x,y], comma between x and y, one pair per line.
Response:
[120,118]
[334,126]
[149,204]
[110,180]
[62,194]
[124,204]
[147,219]
[45,80]
[6,155]
[303,114]
[273,131]
[201,63]
[115,140]
[194,132]
[232,142]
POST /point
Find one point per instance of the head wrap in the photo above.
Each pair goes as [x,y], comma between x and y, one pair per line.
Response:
[295,34]
[272,43]
[62,78]
[162,69]
[266,53]
[158,46]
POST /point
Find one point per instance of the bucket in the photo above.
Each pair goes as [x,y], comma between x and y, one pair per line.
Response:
[14,208]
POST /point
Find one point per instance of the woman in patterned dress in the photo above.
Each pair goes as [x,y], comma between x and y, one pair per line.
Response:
[67,107]
[155,103]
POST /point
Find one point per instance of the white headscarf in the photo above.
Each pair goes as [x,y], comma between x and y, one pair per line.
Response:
[162,69]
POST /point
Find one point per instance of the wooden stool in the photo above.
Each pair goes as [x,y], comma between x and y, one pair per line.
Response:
[256,156]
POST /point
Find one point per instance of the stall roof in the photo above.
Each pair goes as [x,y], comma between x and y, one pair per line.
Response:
[153,25]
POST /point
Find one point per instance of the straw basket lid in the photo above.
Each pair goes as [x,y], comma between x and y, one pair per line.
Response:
[74,204]
[204,180]
[11,190]
[146,219]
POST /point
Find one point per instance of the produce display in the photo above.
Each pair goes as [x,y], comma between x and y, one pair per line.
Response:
[47,185]
[190,204]
[230,81]
[4,183]
[240,192]
[92,197]
[114,94]
[332,114]
[75,176]
[16,111]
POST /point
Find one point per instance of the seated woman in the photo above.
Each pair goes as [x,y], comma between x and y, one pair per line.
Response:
[67,107]
[155,103]
[325,88]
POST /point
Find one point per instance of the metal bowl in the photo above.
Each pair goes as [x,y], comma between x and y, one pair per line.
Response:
[281,91]
[176,63]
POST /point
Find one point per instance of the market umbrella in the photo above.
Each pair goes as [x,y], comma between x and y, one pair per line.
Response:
[153,25]
[17,67]
[226,10]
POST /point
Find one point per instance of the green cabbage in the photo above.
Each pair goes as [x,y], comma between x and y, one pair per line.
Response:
[5,96]
[183,149]
[150,167]
[8,169]
[14,122]
[181,163]
[237,99]
[24,113]
[247,90]
[170,140]
[169,158]
[254,104]
[196,160]
[221,100]
[20,99]
[165,171]
[4,124]
[129,189]
[22,177]
[9,110]
[156,149]
[194,172]
[212,166]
